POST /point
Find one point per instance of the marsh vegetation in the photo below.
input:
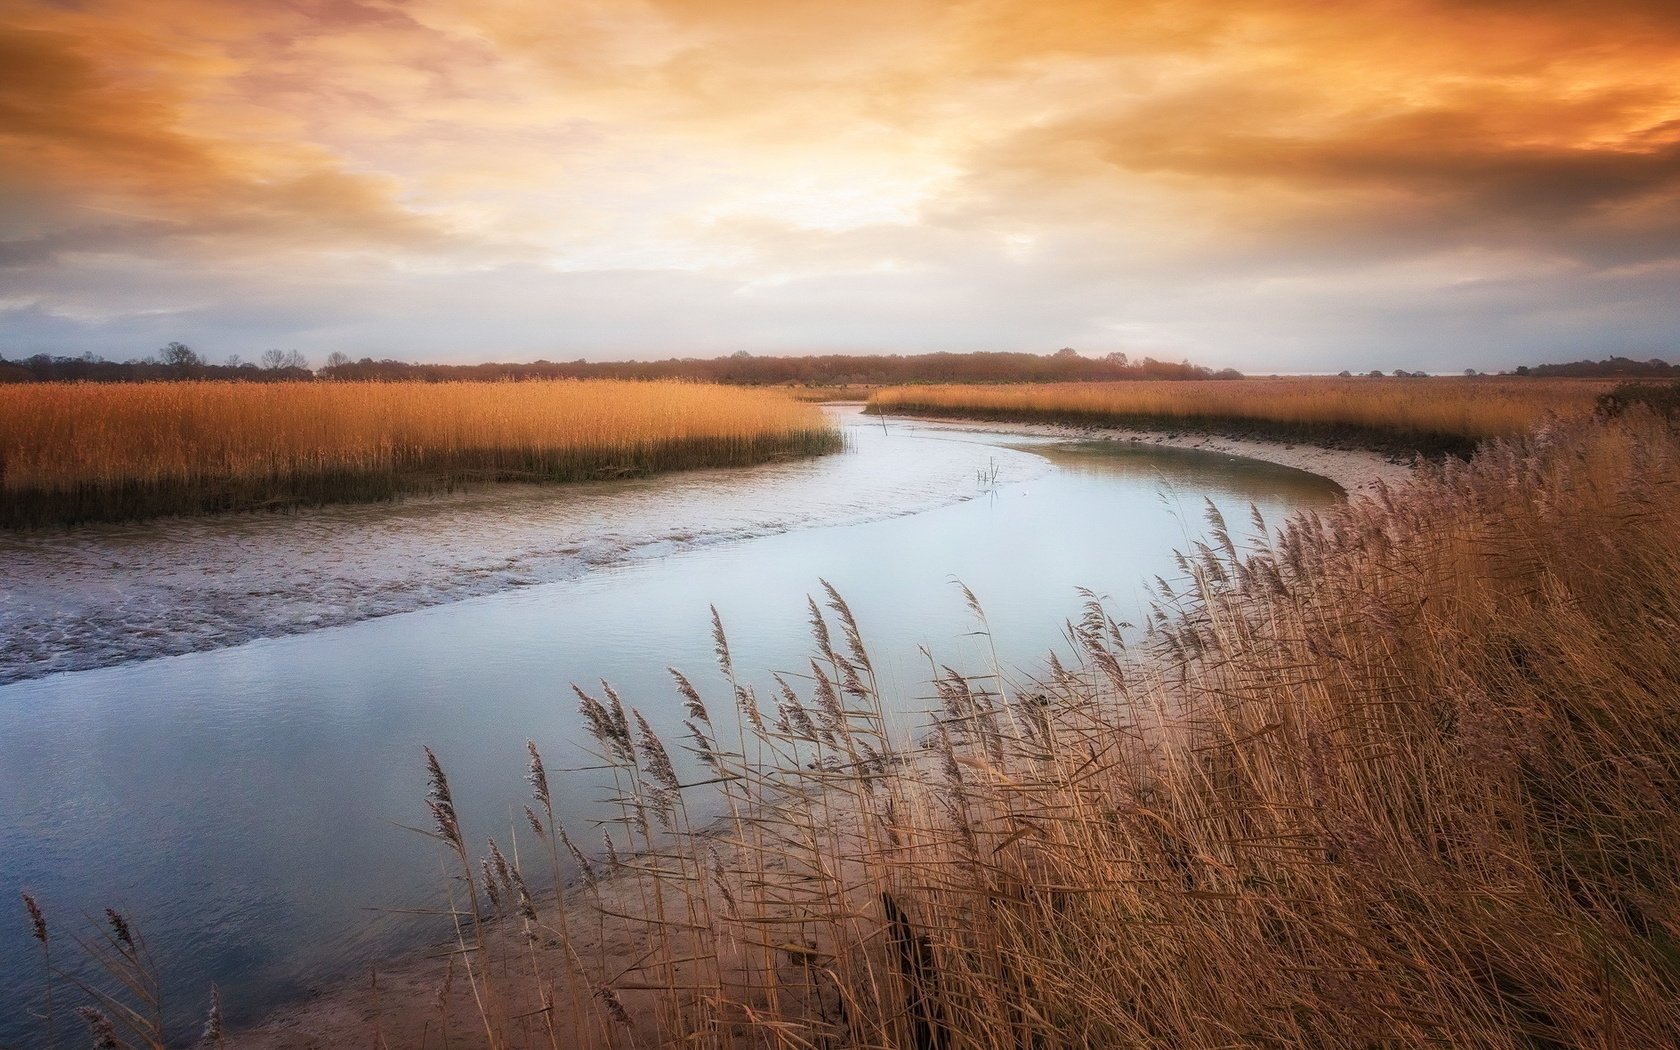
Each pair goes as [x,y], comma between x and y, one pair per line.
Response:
[1432,415]
[1402,773]
[76,452]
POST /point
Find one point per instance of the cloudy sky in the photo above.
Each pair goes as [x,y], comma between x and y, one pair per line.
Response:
[1265,184]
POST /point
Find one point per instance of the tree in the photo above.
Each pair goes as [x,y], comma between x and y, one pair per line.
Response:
[1116,358]
[234,360]
[1344,374]
[180,356]
[1066,352]
[276,360]
[337,359]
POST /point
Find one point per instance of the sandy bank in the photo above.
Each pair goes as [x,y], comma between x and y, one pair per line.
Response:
[1355,470]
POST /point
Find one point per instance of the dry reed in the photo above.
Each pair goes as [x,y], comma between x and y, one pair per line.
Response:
[1401,774]
[1406,773]
[1445,415]
[85,452]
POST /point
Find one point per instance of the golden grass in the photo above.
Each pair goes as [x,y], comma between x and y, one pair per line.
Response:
[1438,414]
[73,452]
[1404,774]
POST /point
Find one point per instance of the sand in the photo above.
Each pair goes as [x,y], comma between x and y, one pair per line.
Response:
[1358,471]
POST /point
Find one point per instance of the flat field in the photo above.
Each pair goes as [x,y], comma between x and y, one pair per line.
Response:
[82,452]
[1434,414]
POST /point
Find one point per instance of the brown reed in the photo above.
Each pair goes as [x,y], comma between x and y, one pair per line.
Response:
[90,452]
[1432,415]
[1404,774]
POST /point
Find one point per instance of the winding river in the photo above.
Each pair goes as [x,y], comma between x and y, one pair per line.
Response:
[215,726]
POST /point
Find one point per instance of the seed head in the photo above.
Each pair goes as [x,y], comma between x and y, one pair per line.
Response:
[819,628]
[692,703]
[720,645]
[438,784]
[100,1027]
[654,755]
[119,927]
[443,815]
[583,864]
[491,890]
[37,920]
[614,1005]
[213,1023]
[538,776]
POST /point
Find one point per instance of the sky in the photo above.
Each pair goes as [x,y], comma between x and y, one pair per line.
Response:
[1271,185]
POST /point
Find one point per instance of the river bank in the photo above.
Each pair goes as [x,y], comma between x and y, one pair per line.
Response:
[1356,470]
[101,595]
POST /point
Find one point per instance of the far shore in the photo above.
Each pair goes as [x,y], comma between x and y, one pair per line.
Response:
[1356,470]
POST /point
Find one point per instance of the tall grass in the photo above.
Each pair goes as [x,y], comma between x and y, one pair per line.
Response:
[1403,774]
[83,452]
[1445,415]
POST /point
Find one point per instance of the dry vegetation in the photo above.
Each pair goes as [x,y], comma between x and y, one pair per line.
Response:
[837,392]
[1404,774]
[80,452]
[1437,415]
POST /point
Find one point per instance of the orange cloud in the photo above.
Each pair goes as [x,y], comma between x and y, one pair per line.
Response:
[100,148]
[1104,157]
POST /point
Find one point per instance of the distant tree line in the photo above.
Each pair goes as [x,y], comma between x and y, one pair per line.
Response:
[178,361]
[1655,368]
[746,369]
[175,361]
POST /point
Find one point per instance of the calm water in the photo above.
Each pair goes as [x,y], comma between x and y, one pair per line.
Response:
[241,803]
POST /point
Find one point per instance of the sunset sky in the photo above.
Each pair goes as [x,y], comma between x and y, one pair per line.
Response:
[1265,184]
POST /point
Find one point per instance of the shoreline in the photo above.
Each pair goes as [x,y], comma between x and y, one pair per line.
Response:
[1357,471]
[396,1001]
[100,596]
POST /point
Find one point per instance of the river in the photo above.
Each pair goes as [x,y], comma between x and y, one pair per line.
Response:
[215,725]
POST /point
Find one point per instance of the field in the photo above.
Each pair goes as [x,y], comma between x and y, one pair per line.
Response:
[81,452]
[1432,415]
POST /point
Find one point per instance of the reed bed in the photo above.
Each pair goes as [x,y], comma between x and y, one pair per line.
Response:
[1432,415]
[84,452]
[1405,773]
